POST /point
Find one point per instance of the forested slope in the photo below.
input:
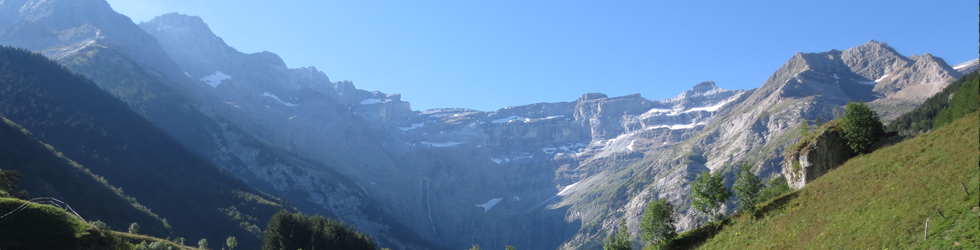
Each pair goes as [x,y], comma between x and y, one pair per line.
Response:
[90,126]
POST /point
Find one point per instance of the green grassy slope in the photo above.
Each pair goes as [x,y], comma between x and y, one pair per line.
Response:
[880,200]
[40,227]
[44,227]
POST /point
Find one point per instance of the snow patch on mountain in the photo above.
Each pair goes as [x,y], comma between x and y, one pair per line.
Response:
[215,79]
[509,119]
[414,126]
[289,104]
[969,63]
[568,188]
[677,126]
[373,101]
[441,144]
[486,206]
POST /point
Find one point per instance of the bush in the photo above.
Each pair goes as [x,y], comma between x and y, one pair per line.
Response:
[861,127]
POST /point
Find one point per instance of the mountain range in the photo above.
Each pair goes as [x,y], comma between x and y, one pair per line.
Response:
[539,176]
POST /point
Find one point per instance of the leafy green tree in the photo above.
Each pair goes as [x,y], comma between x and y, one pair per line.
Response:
[747,187]
[475,247]
[619,239]
[861,127]
[231,242]
[202,244]
[709,193]
[509,247]
[658,223]
[134,228]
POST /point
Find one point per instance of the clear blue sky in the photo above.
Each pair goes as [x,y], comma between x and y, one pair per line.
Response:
[487,55]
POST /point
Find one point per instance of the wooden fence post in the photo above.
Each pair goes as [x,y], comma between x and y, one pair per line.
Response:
[925,236]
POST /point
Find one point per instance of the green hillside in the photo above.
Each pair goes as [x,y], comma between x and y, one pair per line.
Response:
[29,226]
[879,200]
[93,128]
[39,226]
[45,172]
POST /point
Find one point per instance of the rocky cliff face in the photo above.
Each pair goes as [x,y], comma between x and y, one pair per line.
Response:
[814,158]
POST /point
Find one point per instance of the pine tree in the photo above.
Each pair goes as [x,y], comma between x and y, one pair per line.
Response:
[619,239]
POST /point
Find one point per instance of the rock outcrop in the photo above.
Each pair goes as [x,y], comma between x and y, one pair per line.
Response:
[815,157]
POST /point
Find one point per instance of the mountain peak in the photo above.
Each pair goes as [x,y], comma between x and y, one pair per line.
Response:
[705,85]
[189,27]
[872,60]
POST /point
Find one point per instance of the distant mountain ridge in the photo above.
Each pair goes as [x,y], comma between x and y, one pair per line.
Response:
[564,172]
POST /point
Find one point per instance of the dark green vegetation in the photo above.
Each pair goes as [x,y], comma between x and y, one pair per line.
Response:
[861,127]
[922,118]
[90,126]
[297,231]
[879,200]
[965,102]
